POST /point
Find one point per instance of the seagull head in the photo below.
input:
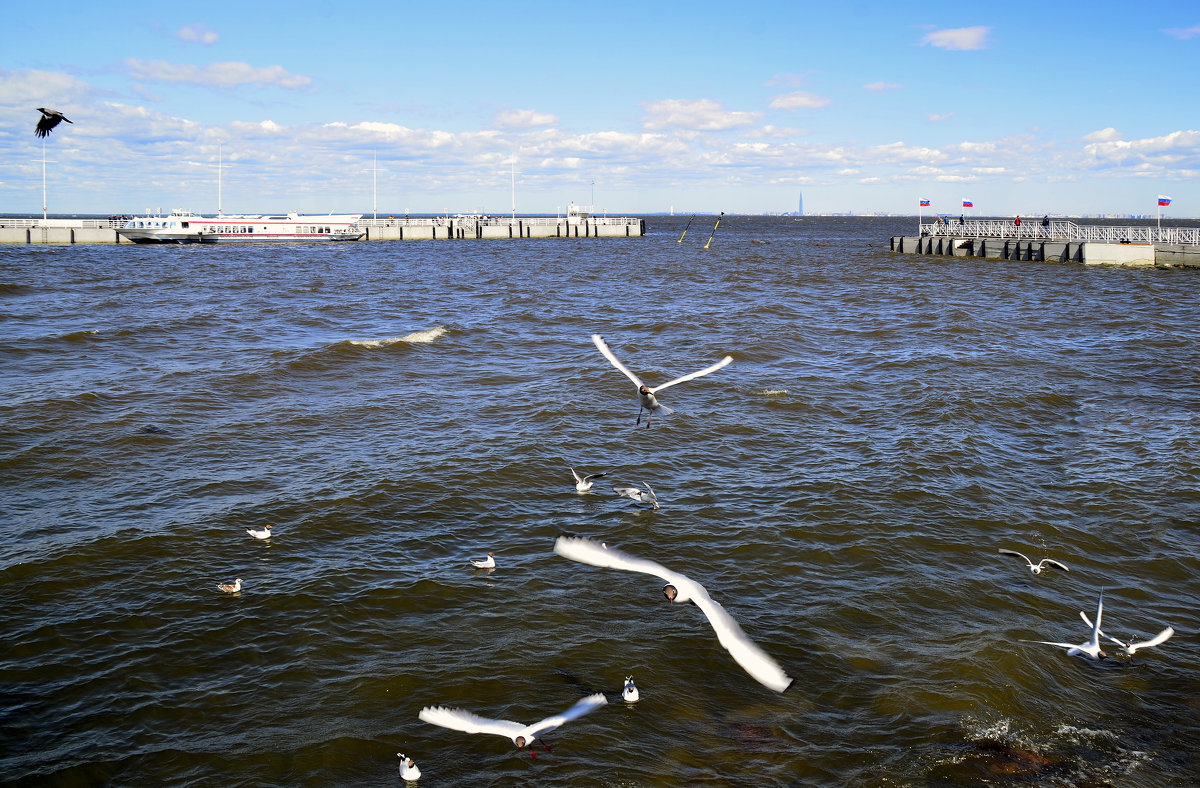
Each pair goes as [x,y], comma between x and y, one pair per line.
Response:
[643,389]
[520,741]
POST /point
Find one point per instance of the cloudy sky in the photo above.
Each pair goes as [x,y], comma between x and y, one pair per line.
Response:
[1020,107]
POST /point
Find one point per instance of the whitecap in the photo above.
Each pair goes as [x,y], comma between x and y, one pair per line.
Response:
[773,392]
[415,338]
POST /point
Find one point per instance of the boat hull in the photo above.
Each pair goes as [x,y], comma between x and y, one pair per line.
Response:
[185,227]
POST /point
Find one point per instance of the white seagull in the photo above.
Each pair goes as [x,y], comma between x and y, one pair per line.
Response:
[487,563]
[637,493]
[753,659]
[630,693]
[231,588]
[1129,646]
[408,768]
[584,483]
[1090,649]
[1040,565]
[49,119]
[260,533]
[645,393]
[521,735]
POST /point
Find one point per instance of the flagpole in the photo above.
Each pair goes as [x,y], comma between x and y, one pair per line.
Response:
[1159,201]
[44,179]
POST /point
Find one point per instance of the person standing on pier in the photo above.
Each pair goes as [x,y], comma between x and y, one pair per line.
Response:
[1046,225]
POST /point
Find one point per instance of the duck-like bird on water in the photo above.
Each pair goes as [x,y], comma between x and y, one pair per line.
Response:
[50,118]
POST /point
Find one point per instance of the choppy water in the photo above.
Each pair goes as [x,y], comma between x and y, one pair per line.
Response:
[397,409]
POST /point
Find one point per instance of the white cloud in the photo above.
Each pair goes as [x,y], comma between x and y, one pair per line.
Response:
[881,86]
[936,118]
[1183,33]
[959,38]
[799,100]
[777,132]
[1167,149]
[201,33]
[1103,135]
[524,119]
[698,114]
[217,75]
[786,80]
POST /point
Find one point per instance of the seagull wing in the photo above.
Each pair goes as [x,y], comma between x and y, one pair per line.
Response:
[591,476]
[578,479]
[1088,621]
[1099,614]
[1154,641]
[1067,646]
[586,551]
[590,703]
[722,363]
[752,658]
[465,721]
[608,354]
[1053,563]
[761,667]
[1006,551]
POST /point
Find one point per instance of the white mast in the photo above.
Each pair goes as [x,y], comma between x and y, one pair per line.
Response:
[512,171]
[219,179]
[44,180]
[374,185]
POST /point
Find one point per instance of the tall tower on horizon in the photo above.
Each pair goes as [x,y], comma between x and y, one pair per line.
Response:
[800,205]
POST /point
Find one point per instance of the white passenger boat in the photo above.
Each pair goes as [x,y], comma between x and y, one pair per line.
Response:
[187,227]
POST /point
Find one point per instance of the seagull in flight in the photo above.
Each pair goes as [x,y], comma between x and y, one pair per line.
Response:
[260,533]
[584,483]
[1129,646]
[487,563]
[645,393]
[231,588]
[745,652]
[50,118]
[522,735]
[637,493]
[1090,649]
[1040,565]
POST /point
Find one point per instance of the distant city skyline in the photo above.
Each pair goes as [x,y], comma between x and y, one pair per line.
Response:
[819,108]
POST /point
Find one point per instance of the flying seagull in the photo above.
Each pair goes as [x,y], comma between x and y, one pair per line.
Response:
[1040,565]
[1090,649]
[50,118]
[645,393]
[637,493]
[753,659]
[584,483]
[1129,646]
[521,735]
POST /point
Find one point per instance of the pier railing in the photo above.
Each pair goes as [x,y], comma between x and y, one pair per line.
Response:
[1061,230]
[494,221]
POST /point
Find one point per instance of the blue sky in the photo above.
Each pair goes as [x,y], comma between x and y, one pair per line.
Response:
[1026,108]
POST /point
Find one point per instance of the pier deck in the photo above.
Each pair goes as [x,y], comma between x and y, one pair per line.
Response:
[1058,241]
[455,227]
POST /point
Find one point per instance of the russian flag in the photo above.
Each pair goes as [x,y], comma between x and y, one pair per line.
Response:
[1164,200]
[968,204]
[924,203]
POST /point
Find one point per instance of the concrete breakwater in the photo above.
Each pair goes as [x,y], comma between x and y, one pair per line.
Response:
[460,227]
[1056,240]
[1087,252]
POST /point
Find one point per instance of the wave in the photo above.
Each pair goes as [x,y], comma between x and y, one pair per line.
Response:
[415,338]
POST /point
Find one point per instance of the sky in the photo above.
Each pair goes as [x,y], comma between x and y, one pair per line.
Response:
[631,108]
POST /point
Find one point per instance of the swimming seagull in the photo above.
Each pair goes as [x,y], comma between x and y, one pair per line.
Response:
[1040,565]
[521,735]
[753,659]
[408,768]
[231,588]
[584,483]
[630,693]
[260,533]
[50,118]
[637,493]
[1129,646]
[645,393]
[1090,649]
[487,563]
